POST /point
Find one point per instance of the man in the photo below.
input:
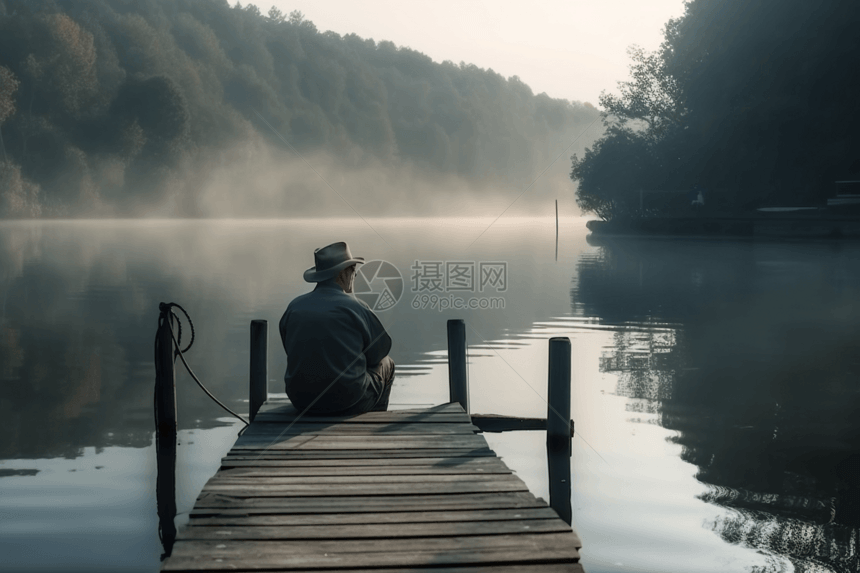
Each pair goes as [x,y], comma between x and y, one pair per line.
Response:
[337,349]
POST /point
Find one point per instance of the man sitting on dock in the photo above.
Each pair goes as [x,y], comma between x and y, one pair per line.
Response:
[337,349]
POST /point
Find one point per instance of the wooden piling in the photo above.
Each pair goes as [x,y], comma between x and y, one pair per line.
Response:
[458,381]
[558,427]
[165,490]
[165,375]
[259,366]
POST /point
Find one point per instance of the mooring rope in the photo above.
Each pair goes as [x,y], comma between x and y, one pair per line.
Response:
[168,315]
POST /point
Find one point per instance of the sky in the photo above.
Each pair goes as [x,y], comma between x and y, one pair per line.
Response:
[569,49]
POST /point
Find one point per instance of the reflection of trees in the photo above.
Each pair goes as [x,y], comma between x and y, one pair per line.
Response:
[72,377]
[812,547]
[759,381]
[645,361]
[76,336]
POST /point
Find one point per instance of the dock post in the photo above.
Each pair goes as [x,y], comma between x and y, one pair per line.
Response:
[259,366]
[558,427]
[458,381]
[165,375]
[165,491]
[165,435]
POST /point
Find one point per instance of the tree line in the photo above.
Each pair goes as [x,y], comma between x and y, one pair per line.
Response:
[103,104]
[752,102]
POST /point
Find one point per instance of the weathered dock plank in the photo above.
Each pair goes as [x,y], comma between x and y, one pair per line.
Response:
[409,490]
[372,518]
[546,568]
[542,568]
[229,469]
[363,479]
[378,531]
[334,504]
[285,413]
[312,428]
[389,453]
[232,461]
[353,443]
[302,490]
[510,549]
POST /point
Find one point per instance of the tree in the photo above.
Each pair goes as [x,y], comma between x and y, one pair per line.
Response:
[8,87]
[72,69]
[276,15]
[611,173]
[755,101]
[18,196]
[298,19]
[159,108]
[652,95]
[772,93]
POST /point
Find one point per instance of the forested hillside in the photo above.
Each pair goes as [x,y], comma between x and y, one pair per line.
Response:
[109,107]
[754,102]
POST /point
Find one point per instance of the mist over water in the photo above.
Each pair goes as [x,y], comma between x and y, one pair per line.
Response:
[259,180]
[714,383]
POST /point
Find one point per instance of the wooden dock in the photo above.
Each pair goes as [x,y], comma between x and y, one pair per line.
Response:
[399,491]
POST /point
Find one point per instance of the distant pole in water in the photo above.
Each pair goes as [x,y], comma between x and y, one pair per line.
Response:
[559,427]
[458,381]
[556,229]
[259,367]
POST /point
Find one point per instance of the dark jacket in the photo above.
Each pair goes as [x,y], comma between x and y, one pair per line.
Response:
[331,338]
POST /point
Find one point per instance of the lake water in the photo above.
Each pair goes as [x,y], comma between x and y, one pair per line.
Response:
[715,384]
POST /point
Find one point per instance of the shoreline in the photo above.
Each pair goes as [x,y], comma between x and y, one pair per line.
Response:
[794,225]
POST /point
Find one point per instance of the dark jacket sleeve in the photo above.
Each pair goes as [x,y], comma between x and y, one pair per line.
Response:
[378,343]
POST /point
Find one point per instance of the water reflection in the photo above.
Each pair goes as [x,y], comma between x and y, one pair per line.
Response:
[165,493]
[758,376]
[744,353]
[646,362]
